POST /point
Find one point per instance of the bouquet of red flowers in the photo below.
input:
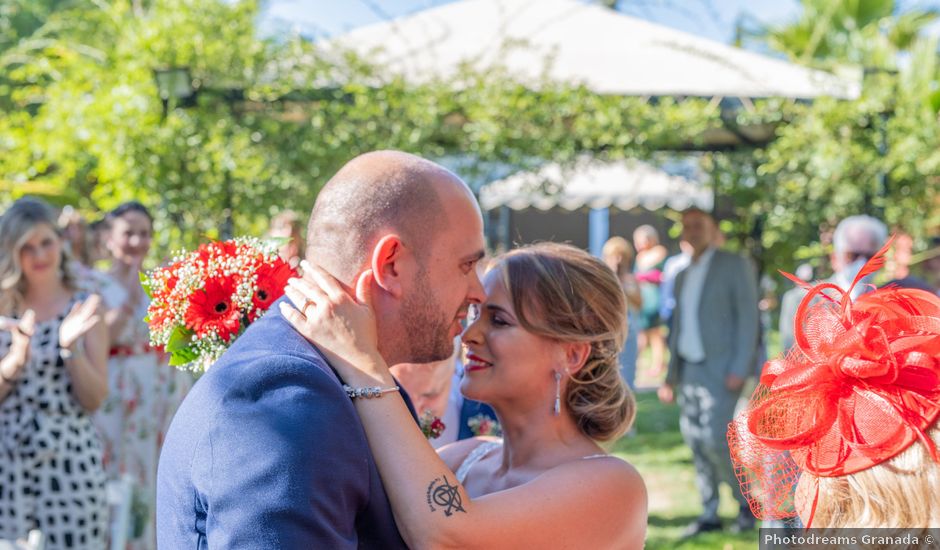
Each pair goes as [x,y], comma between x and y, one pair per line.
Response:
[204,299]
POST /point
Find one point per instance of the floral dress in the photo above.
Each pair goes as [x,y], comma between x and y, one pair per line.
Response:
[143,394]
[51,477]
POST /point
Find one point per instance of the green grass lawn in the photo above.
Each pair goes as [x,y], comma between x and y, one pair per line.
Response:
[658,452]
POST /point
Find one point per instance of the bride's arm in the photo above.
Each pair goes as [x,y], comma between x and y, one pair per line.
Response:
[581,504]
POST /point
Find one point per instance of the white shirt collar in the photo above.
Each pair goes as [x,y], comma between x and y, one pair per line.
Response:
[706,256]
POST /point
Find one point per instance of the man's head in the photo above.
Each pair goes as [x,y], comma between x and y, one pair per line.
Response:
[698,229]
[856,238]
[417,227]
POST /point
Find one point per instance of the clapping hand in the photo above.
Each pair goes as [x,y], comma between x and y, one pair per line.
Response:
[22,333]
[82,318]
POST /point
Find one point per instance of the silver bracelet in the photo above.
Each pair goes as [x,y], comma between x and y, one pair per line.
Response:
[367,392]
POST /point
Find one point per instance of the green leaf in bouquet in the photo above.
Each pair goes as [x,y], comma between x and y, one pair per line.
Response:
[276,242]
[182,357]
[180,338]
[145,283]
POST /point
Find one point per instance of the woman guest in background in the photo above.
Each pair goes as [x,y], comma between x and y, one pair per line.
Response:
[542,351]
[53,373]
[289,226]
[618,255]
[144,389]
[75,236]
[98,231]
[650,258]
[79,241]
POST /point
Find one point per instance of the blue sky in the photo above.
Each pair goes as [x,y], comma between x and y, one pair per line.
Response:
[713,19]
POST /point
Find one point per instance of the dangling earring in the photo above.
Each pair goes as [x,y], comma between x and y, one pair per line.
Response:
[557,409]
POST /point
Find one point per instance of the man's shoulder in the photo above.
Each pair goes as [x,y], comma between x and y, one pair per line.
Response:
[251,372]
[268,357]
[726,256]
[732,263]
[270,384]
[272,340]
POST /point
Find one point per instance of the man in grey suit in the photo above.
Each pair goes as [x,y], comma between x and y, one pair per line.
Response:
[713,345]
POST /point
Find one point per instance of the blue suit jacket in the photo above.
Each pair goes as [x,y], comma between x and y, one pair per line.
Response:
[267,451]
[469,409]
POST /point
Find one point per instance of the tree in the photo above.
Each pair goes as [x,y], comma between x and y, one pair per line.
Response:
[273,118]
[876,155]
[868,33]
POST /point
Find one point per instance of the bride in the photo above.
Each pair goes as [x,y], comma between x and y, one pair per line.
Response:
[542,351]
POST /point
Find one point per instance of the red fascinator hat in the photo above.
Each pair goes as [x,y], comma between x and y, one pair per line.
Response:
[860,386]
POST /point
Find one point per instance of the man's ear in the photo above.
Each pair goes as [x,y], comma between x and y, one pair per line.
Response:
[388,259]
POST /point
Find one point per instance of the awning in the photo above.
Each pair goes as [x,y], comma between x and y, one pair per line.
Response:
[609,52]
[596,184]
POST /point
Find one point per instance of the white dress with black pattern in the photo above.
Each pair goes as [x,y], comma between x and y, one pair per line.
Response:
[51,477]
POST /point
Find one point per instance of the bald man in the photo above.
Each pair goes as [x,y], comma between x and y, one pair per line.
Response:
[267,450]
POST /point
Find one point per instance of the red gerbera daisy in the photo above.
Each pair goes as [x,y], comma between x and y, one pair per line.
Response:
[212,309]
[272,278]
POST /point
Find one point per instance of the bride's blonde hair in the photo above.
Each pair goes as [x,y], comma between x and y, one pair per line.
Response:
[15,226]
[565,294]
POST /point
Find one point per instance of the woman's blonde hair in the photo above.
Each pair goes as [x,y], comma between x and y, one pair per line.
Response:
[903,492]
[622,250]
[565,294]
[15,226]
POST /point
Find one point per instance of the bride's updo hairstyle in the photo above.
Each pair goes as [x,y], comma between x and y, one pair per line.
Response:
[563,293]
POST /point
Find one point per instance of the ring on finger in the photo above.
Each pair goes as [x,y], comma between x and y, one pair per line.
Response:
[307,304]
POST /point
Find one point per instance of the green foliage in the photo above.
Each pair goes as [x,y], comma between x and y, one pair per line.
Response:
[657,451]
[82,122]
[87,127]
[878,155]
[859,32]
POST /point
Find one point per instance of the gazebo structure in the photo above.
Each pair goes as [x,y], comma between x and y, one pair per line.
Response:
[601,188]
[588,44]
[607,51]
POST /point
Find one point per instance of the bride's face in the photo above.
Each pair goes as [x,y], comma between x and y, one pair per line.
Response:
[505,363]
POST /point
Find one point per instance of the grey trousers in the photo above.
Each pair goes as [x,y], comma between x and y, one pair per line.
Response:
[706,407]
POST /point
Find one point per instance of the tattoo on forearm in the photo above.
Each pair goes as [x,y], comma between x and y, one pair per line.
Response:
[444,496]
